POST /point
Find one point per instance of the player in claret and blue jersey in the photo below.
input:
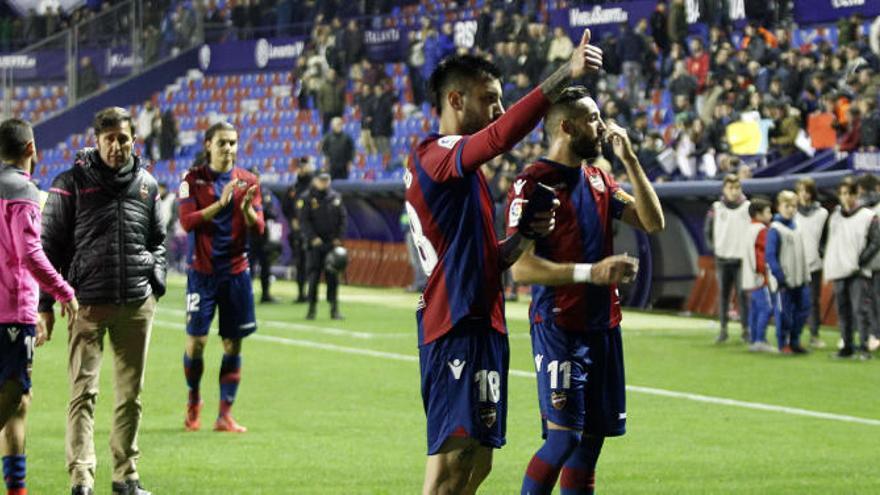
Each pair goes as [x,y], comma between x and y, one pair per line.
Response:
[575,312]
[463,347]
[219,202]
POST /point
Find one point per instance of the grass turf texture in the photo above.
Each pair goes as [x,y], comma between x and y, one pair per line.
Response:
[325,421]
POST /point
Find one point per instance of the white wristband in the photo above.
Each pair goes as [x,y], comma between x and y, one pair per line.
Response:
[583,272]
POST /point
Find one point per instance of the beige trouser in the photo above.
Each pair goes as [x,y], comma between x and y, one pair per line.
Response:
[129,328]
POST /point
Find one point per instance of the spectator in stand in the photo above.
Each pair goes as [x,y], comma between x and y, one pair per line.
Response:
[869,139]
[694,154]
[168,136]
[338,149]
[561,46]
[522,85]
[87,81]
[446,40]
[366,102]
[144,128]
[851,131]
[659,30]
[698,63]
[382,127]
[631,52]
[415,62]
[676,53]
[786,127]
[501,28]
[330,98]
[821,124]
[352,43]
[683,83]
[677,26]
[526,62]
[240,18]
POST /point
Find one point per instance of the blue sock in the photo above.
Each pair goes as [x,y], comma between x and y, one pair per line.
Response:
[230,375]
[14,469]
[543,469]
[192,369]
[579,472]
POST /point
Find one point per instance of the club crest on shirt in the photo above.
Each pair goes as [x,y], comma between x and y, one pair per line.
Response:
[516,209]
[145,192]
[488,415]
[241,184]
[558,399]
[597,183]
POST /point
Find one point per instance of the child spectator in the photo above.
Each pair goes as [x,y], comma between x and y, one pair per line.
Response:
[726,221]
[787,260]
[853,239]
[811,218]
[754,276]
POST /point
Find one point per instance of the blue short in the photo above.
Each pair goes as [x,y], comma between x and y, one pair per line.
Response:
[232,294]
[17,353]
[464,385]
[581,381]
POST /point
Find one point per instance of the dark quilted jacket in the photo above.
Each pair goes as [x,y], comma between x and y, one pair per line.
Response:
[102,230]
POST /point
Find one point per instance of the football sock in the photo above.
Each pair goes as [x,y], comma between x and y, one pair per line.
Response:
[543,469]
[192,369]
[230,375]
[579,472]
[14,467]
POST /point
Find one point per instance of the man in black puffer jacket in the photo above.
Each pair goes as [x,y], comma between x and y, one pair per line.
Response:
[102,228]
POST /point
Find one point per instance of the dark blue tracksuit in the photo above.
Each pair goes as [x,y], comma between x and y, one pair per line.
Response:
[792,303]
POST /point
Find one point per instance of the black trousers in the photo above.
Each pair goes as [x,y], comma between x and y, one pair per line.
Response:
[848,296]
[316,258]
[728,272]
[259,255]
[299,253]
[815,302]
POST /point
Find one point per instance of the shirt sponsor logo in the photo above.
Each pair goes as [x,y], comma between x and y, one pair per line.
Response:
[456,366]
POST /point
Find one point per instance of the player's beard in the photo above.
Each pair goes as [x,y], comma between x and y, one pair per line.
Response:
[585,147]
[471,124]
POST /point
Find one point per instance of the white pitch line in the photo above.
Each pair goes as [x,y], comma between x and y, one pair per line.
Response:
[632,388]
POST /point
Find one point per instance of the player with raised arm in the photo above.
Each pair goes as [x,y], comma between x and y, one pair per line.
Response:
[463,348]
[575,312]
[219,202]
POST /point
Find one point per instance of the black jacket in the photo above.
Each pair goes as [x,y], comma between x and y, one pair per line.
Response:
[104,232]
[322,214]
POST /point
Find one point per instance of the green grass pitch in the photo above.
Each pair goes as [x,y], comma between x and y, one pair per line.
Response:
[334,407]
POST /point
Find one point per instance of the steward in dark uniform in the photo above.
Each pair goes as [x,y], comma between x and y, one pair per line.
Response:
[322,219]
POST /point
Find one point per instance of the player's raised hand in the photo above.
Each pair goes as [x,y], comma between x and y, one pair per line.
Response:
[619,139]
[227,193]
[614,270]
[586,58]
[249,197]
